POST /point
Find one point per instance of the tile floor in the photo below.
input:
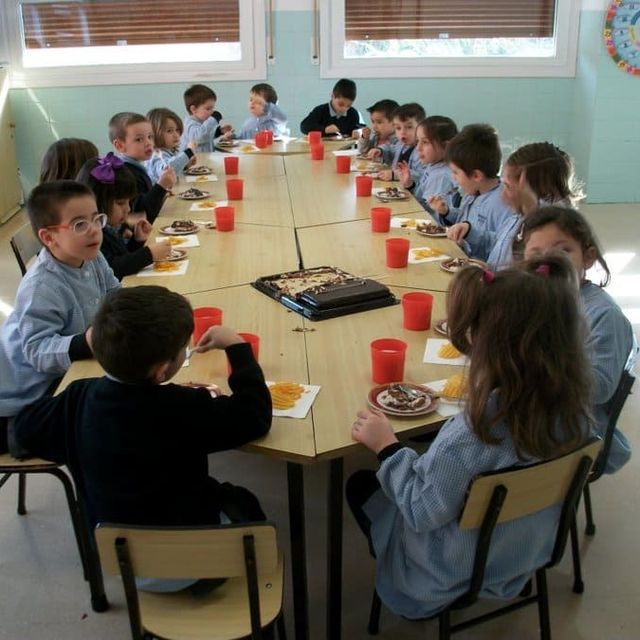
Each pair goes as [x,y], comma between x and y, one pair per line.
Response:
[42,594]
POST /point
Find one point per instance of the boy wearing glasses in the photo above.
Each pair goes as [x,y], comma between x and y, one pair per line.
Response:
[56,300]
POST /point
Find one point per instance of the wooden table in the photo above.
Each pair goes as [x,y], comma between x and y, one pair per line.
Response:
[253,166]
[288,147]
[353,247]
[320,196]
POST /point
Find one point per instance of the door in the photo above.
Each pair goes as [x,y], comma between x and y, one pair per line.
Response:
[10,190]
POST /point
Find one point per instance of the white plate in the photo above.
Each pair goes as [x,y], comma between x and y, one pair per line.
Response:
[170,231]
[383,195]
[184,195]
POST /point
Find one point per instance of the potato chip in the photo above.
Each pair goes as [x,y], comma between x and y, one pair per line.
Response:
[455,386]
[284,395]
[448,351]
[422,254]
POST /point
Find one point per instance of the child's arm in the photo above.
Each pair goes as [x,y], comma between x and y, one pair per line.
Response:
[316,120]
[403,173]
[199,132]
[151,202]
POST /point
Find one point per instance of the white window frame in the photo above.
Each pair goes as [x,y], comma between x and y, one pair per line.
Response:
[252,66]
[333,64]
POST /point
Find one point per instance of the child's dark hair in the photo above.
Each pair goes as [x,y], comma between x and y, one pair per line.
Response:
[549,171]
[266,91]
[157,117]
[123,186]
[408,111]
[345,88]
[43,205]
[476,147]
[439,129]
[525,335]
[63,159]
[127,338]
[574,224]
[198,94]
[385,107]
[119,123]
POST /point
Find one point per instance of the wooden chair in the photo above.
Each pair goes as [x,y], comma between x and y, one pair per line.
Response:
[91,568]
[246,554]
[504,496]
[614,409]
[25,246]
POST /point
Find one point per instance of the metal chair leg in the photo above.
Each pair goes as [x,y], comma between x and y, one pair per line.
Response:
[590,527]
[444,625]
[22,487]
[374,614]
[282,631]
[543,604]
[578,584]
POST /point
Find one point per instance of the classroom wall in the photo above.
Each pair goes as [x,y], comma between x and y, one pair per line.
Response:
[593,116]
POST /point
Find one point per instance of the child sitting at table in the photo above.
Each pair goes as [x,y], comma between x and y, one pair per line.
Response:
[338,116]
[113,186]
[132,137]
[63,159]
[523,331]
[611,345]
[265,113]
[167,131]
[474,159]
[433,135]
[202,125]
[405,122]
[49,326]
[381,137]
[139,447]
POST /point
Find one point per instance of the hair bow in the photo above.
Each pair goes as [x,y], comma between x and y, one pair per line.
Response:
[488,276]
[544,270]
[104,171]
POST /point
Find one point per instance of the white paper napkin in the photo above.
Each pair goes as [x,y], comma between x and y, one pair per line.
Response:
[197,206]
[414,260]
[180,270]
[406,223]
[302,406]
[431,353]
[211,177]
[181,242]
[346,152]
[446,408]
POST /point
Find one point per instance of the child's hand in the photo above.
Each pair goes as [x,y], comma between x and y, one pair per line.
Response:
[88,336]
[458,231]
[331,129]
[404,174]
[142,230]
[365,133]
[227,135]
[438,204]
[373,430]
[226,128]
[167,179]
[192,161]
[374,154]
[218,338]
[160,250]
[386,175]
[193,145]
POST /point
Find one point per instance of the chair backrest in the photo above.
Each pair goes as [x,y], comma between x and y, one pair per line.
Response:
[197,552]
[25,246]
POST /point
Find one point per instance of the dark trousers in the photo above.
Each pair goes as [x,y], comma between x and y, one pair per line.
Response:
[359,488]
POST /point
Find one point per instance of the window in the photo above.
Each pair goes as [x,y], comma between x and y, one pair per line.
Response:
[108,41]
[378,38]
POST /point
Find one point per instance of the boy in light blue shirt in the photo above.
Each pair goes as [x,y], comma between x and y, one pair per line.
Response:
[266,115]
[57,298]
[202,125]
[381,136]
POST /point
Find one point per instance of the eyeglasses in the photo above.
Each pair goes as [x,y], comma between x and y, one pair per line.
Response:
[82,227]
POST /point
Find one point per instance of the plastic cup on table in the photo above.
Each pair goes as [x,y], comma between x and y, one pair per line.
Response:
[387,360]
[397,252]
[416,310]
[317,151]
[343,164]
[380,219]
[363,186]
[225,218]
[315,137]
[261,140]
[203,319]
[231,164]
[235,188]
[254,341]
[269,136]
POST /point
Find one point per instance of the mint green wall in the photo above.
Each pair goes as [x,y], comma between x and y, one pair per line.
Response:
[576,114]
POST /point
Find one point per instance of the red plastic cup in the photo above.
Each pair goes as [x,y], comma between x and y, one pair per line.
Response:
[231,164]
[363,186]
[380,219]
[225,218]
[397,252]
[387,360]
[203,319]
[262,141]
[416,311]
[269,135]
[343,164]
[315,137]
[317,151]
[254,341]
[235,188]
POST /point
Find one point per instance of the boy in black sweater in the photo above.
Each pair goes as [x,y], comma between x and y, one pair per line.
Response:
[337,116]
[137,448]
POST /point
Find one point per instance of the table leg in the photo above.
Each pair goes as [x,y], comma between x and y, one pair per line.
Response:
[295,482]
[334,550]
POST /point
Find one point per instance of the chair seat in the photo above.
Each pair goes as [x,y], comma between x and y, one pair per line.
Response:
[222,614]
[9,464]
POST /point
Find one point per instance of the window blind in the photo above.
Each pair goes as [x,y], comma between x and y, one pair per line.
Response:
[433,19]
[91,23]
